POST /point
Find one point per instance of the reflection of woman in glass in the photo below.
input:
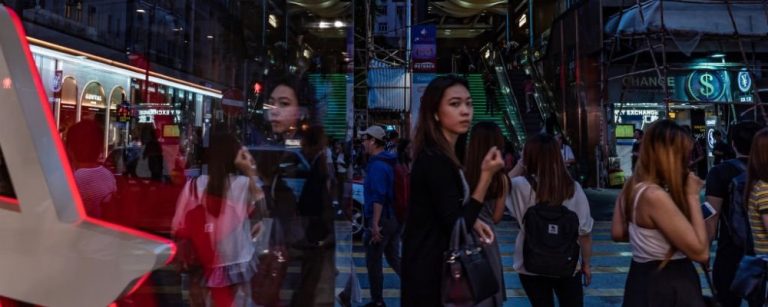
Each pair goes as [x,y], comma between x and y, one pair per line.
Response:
[213,213]
[292,107]
[298,183]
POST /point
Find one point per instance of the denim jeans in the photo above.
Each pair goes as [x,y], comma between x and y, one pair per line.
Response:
[389,246]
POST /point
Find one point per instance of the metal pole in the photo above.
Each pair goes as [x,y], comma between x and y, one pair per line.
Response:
[530,27]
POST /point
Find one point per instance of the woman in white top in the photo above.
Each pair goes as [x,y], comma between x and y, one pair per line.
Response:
[212,213]
[659,213]
[545,179]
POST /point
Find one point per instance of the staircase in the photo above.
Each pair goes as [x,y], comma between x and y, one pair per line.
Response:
[331,93]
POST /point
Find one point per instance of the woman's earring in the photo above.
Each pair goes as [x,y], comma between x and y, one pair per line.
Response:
[436,118]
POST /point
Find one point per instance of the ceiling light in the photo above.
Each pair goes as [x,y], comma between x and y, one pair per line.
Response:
[718,55]
[338,24]
[210,36]
[140,11]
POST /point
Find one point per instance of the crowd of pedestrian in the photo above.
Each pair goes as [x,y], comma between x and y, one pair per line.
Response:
[432,203]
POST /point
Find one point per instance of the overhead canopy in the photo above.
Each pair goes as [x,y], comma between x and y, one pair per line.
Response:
[467,8]
[702,17]
[322,8]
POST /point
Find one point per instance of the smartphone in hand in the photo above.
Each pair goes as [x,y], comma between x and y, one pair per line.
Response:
[707,210]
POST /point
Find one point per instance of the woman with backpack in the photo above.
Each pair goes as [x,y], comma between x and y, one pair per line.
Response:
[659,213]
[554,247]
[440,195]
[484,136]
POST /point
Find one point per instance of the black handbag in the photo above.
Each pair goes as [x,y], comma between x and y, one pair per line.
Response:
[467,274]
[272,268]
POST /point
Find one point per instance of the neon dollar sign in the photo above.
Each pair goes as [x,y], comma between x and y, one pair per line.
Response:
[707,87]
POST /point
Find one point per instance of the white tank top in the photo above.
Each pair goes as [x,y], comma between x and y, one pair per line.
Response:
[647,244]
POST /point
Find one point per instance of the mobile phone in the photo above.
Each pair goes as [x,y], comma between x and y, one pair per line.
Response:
[707,210]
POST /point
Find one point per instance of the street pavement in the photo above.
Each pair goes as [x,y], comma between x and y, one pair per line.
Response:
[610,261]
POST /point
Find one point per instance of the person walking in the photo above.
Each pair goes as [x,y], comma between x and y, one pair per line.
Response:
[659,212]
[756,198]
[718,193]
[382,235]
[439,193]
[545,185]
[213,215]
[484,136]
[721,150]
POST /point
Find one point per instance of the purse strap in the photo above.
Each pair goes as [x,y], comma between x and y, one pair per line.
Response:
[460,235]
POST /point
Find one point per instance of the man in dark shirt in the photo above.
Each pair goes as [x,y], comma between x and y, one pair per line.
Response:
[728,255]
[722,151]
[636,147]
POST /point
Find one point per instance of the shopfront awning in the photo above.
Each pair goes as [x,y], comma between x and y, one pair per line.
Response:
[701,17]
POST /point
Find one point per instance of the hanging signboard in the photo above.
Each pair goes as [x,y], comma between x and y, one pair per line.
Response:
[424,48]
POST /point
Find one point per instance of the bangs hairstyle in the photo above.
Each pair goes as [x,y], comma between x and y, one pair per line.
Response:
[305,93]
[663,160]
[429,134]
[758,162]
[544,164]
[483,136]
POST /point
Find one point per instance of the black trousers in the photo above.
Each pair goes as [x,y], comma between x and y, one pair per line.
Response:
[540,289]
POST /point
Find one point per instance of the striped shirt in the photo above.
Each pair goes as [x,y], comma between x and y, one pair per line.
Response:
[758,206]
[96,187]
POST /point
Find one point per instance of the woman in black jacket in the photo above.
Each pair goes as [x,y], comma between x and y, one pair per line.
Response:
[439,190]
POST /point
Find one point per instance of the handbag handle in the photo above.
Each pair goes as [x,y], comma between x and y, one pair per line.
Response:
[460,232]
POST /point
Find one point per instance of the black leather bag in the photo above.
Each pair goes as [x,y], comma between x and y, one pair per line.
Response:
[467,274]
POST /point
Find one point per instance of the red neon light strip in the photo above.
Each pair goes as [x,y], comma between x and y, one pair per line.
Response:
[10,201]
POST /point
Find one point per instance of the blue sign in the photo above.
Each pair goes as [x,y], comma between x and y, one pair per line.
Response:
[706,85]
[424,53]
[745,81]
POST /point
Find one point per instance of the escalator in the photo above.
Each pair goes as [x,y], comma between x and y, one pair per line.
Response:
[510,116]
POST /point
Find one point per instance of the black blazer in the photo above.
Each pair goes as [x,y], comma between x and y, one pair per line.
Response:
[437,197]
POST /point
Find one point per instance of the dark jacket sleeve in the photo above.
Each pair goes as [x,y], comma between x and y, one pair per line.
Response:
[444,184]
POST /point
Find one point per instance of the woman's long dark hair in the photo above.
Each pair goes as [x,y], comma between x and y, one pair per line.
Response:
[403,155]
[429,135]
[305,95]
[758,163]
[221,164]
[544,164]
[483,136]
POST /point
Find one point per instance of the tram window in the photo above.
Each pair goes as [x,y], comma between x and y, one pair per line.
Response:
[6,188]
